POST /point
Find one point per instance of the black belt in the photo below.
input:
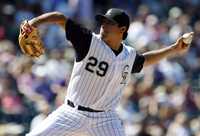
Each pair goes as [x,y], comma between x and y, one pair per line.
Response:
[71,104]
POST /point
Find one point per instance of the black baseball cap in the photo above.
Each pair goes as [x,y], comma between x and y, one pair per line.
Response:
[115,15]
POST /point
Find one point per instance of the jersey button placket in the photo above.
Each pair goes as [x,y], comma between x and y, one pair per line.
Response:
[113,67]
[116,68]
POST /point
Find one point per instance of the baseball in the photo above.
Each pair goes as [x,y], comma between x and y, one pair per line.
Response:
[187,37]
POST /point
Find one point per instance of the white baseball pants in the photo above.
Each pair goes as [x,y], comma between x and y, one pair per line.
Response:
[68,121]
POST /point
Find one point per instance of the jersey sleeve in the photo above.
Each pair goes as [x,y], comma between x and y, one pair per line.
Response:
[80,38]
[138,63]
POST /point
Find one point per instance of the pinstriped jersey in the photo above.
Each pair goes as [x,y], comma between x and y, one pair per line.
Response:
[97,81]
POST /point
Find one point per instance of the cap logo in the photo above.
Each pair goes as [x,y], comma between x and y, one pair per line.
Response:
[109,13]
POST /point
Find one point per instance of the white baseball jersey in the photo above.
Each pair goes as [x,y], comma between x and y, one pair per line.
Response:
[98,80]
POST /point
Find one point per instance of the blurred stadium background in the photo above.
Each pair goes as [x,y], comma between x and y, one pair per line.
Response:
[162,100]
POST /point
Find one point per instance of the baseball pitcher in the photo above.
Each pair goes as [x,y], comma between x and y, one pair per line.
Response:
[102,68]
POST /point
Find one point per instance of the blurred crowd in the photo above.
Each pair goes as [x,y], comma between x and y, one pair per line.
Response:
[162,100]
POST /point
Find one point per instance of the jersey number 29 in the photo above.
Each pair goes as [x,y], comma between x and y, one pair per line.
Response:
[93,65]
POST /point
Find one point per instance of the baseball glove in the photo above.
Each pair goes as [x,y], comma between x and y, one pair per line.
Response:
[30,41]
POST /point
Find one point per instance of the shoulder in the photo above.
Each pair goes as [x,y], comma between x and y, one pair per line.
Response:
[96,36]
[96,39]
[129,49]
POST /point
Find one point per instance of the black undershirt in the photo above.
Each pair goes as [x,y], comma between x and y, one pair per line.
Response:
[117,52]
[81,37]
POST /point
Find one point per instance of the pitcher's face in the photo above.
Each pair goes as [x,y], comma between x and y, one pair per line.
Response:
[109,30]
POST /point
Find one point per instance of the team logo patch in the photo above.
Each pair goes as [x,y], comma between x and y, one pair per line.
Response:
[125,74]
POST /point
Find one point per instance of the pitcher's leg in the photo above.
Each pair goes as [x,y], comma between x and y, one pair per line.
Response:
[109,127]
[58,123]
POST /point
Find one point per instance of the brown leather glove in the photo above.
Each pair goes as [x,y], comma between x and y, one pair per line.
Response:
[30,41]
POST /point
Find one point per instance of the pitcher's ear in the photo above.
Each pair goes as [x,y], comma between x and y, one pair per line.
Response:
[122,29]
